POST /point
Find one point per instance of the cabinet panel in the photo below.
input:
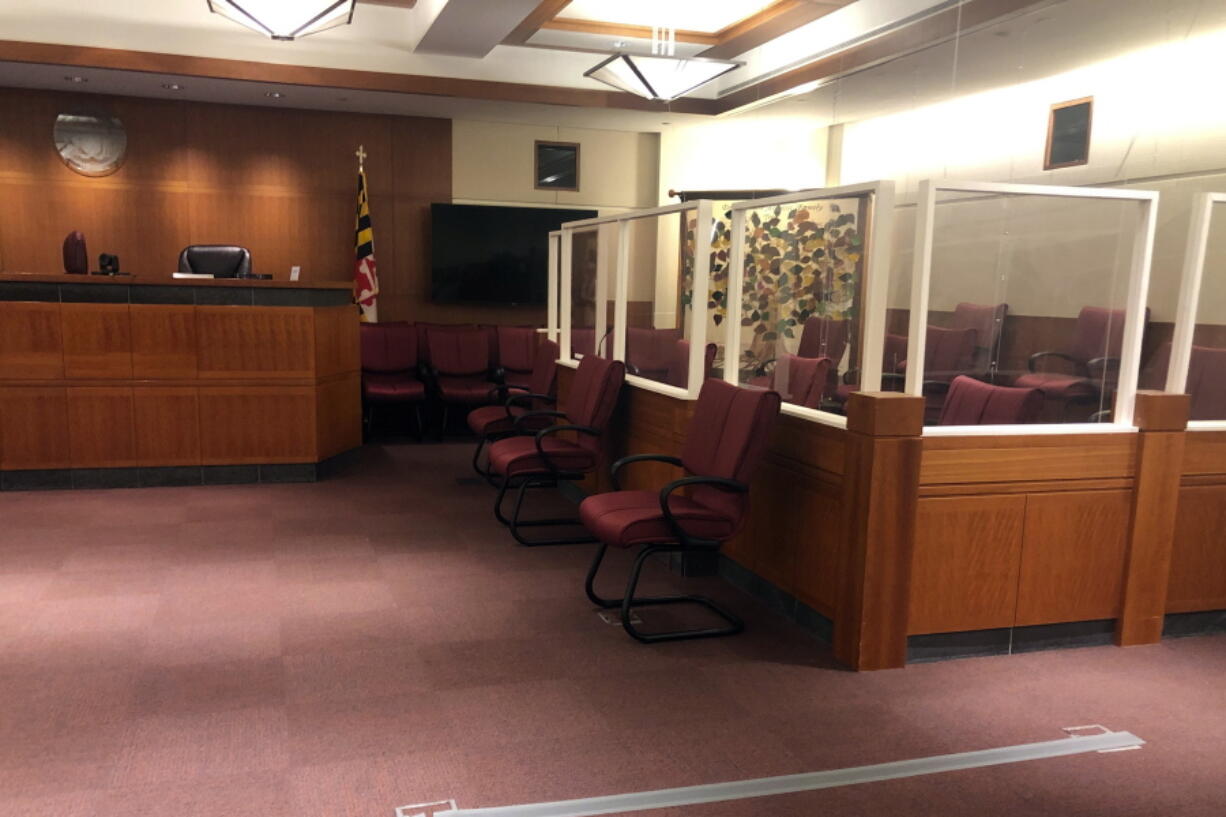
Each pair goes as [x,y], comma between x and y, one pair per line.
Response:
[97,341]
[33,428]
[240,341]
[1073,556]
[1198,556]
[257,424]
[163,341]
[338,412]
[101,427]
[964,574]
[31,341]
[167,425]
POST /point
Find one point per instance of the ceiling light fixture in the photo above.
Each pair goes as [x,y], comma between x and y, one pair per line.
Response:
[274,94]
[286,19]
[663,75]
[76,79]
[172,86]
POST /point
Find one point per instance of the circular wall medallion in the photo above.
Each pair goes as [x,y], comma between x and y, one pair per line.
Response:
[90,145]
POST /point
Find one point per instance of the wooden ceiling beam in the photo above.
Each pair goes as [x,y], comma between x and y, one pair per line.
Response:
[622,31]
[769,23]
[542,14]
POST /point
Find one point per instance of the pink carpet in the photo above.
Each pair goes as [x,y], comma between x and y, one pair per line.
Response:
[342,648]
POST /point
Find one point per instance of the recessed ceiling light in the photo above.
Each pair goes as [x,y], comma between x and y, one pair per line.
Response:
[274,95]
[75,79]
[172,86]
[619,43]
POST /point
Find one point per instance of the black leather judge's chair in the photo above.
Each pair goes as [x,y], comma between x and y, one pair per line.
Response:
[218,260]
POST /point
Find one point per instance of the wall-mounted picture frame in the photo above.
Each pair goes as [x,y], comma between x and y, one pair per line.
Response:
[1068,133]
[556,165]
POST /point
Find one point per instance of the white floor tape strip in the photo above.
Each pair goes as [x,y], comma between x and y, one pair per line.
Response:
[786,784]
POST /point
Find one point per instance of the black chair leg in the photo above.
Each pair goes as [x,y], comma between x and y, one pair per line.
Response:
[629,601]
[481,472]
[514,523]
[417,417]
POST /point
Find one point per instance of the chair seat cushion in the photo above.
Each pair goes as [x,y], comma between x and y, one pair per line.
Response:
[517,456]
[1055,385]
[392,388]
[464,389]
[627,518]
[492,419]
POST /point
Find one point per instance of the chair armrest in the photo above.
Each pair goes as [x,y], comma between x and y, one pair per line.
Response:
[518,427]
[499,392]
[1037,356]
[527,398]
[719,482]
[1101,416]
[850,375]
[540,436]
[624,461]
[1105,362]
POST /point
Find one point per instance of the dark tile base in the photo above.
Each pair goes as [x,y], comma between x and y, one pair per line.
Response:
[1182,625]
[1004,641]
[90,478]
[785,604]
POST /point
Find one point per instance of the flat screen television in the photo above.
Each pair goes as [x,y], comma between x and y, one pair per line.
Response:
[490,254]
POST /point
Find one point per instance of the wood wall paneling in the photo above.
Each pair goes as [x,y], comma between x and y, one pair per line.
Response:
[241,341]
[1027,458]
[97,341]
[101,427]
[31,341]
[34,428]
[964,573]
[1198,555]
[1204,453]
[1073,556]
[167,420]
[196,173]
[246,425]
[163,341]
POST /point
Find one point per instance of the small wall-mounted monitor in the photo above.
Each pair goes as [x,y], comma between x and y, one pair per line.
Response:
[557,166]
[493,254]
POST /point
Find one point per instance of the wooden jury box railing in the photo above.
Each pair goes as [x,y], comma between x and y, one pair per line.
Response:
[891,535]
[121,373]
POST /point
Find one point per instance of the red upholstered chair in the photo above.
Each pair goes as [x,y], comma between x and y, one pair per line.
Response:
[988,321]
[972,402]
[516,351]
[542,458]
[679,365]
[801,380]
[389,369]
[1206,382]
[460,370]
[491,423]
[649,351]
[1093,356]
[726,438]
[582,342]
[824,337]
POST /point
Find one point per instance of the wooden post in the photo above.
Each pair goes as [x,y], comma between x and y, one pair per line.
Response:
[880,496]
[1163,420]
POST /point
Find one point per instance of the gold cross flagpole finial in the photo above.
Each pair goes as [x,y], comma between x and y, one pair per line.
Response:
[361,154]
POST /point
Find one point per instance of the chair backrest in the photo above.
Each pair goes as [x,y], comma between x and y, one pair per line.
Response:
[458,351]
[1207,383]
[388,347]
[516,347]
[894,353]
[582,341]
[76,259]
[726,438]
[824,337]
[544,369]
[972,402]
[948,352]
[593,395]
[678,373]
[649,351]
[801,380]
[218,260]
[987,320]
[1099,333]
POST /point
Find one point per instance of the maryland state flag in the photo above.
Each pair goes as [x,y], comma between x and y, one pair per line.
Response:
[365,281]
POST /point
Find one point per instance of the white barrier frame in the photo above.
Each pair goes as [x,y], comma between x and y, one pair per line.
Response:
[554,285]
[873,294]
[1138,288]
[1189,302]
[699,294]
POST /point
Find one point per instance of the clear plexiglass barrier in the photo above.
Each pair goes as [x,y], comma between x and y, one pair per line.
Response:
[1026,305]
[806,313]
[629,286]
[1194,361]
